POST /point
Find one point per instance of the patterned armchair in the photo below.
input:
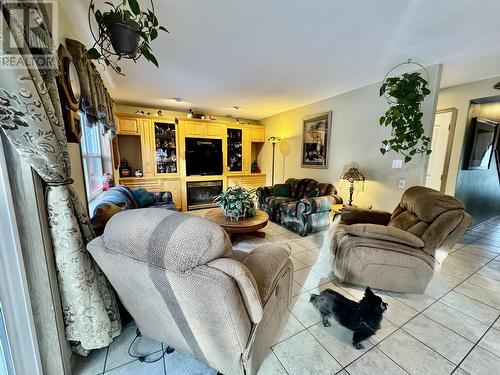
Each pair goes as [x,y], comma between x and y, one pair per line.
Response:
[297,212]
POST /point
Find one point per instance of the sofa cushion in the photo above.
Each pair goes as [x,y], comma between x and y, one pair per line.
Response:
[143,197]
[313,193]
[427,204]
[165,239]
[382,232]
[282,190]
[274,202]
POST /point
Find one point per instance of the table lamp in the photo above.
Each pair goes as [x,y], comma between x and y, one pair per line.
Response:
[352,175]
[273,141]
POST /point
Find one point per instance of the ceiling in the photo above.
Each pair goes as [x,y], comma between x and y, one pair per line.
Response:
[271,56]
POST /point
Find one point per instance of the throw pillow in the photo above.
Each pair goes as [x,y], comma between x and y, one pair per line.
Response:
[143,197]
[313,193]
[282,190]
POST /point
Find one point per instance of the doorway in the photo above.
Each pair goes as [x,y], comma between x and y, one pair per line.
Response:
[442,141]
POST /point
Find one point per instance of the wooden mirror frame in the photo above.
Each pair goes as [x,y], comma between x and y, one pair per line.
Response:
[69,103]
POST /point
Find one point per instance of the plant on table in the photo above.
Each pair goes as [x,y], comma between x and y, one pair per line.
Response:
[236,202]
[405,95]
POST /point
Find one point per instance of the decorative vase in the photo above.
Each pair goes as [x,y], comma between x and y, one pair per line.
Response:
[123,34]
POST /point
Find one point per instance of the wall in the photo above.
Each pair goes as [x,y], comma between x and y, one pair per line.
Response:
[355,141]
[479,189]
[459,97]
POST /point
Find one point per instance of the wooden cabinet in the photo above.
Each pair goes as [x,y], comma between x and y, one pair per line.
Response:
[145,183]
[202,129]
[248,181]
[127,125]
[258,134]
[173,186]
[147,146]
[194,129]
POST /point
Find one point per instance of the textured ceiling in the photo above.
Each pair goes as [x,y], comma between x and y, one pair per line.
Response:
[271,56]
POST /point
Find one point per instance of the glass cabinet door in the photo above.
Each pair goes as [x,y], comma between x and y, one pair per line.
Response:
[234,150]
[166,148]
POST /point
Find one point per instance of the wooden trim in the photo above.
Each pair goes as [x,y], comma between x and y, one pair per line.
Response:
[449,146]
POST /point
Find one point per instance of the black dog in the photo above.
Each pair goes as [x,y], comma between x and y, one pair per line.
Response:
[362,317]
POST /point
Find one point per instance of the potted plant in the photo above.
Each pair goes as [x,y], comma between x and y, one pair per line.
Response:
[125,31]
[236,202]
[405,95]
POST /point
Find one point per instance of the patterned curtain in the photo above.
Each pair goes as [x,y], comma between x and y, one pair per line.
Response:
[31,118]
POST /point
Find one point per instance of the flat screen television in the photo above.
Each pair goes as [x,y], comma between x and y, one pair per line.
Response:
[484,133]
[203,157]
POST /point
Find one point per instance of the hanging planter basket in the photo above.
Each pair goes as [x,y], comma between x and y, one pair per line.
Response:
[123,32]
[405,94]
[123,35]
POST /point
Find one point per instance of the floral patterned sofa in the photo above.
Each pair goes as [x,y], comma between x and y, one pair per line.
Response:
[306,210]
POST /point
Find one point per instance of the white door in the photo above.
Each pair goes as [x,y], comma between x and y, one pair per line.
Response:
[442,125]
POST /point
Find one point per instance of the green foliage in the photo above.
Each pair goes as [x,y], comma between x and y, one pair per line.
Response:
[143,22]
[236,202]
[404,116]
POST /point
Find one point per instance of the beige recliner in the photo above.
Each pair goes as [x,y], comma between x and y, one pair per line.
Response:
[183,284]
[398,252]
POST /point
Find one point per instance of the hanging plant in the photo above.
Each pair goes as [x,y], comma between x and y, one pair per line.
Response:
[405,94]
[124,31]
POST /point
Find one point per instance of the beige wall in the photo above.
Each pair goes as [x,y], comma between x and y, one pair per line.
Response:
[459,97]
[355,141]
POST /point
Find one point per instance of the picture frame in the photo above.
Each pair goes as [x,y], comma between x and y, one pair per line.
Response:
[316,140]
[483,146]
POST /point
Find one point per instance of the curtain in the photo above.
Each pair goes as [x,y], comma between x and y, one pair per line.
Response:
[31,118]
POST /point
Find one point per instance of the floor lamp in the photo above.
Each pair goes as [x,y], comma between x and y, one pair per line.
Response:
[273,141]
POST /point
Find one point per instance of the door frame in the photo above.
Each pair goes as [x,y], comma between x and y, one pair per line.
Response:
[449,144]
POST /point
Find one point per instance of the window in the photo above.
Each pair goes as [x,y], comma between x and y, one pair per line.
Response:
[92,158]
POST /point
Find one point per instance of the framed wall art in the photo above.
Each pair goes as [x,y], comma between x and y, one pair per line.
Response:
[315,140]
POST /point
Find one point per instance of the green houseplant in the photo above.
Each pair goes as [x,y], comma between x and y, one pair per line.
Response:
[125,31]
[405,94]
[236,202]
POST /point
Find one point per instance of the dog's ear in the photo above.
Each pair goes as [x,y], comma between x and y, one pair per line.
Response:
[368,292]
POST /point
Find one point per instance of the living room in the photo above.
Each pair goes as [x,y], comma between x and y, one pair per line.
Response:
[249,188]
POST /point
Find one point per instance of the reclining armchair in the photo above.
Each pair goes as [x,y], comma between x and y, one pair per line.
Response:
[399,251]
[183,284]
[305,210]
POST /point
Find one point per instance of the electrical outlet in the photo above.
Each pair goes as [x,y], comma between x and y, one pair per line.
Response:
[402,184]
[397,163]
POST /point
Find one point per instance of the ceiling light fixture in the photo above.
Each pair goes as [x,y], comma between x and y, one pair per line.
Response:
[178,100]
[236,107]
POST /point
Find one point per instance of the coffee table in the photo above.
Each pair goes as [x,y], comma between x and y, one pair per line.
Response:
[247,225]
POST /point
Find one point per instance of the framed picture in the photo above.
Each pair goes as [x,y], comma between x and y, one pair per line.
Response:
[484,133]
[315,140]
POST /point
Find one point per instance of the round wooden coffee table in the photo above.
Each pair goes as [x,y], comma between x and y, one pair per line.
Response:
[246,225]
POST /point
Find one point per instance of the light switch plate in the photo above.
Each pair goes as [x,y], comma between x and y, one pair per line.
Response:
[397,163]
[402,184]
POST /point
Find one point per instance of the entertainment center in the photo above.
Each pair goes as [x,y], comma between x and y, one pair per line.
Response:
[193,159]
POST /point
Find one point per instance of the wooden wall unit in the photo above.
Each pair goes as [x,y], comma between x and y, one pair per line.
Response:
[175,182]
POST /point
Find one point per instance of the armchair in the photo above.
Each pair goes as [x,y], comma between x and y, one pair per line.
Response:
[183,284]
[306,210]
[399,251]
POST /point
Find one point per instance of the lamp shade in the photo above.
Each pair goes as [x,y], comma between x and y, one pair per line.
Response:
[352,175]
[274,139]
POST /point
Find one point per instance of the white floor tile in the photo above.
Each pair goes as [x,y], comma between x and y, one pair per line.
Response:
[486,296]
[303,355]
[375,362]
[292,327]
[481,362]
[272,366]
[139,368]
[491,342]
[338,341]
[398,313]
[457,321]
[413,356]
[472,307]
[93,364]
[447,343]
[417,302]
[181,364]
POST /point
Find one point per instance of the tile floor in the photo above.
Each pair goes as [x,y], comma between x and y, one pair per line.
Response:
[453,328]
